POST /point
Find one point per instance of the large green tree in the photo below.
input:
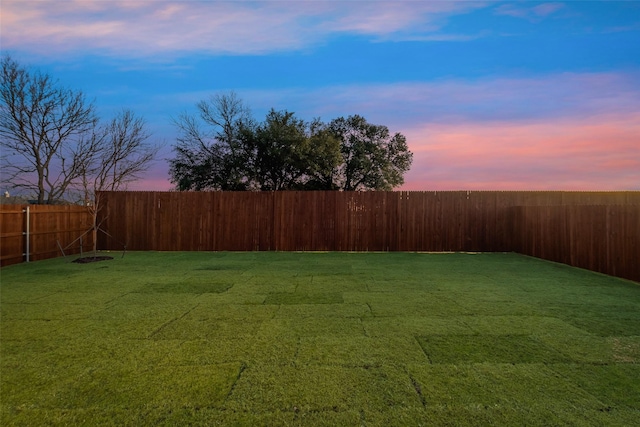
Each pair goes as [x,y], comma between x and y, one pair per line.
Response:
[290,154]
[324,158]
[278,147]
[373,159]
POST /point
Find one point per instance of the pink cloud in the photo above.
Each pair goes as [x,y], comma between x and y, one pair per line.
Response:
[599,153]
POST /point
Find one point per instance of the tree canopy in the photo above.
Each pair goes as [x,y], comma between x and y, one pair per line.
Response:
[372,158]
[224,148]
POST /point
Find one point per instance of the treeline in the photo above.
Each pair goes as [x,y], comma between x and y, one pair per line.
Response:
[223,147]
[55,147]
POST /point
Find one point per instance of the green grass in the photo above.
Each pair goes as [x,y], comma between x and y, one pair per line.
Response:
[317,339]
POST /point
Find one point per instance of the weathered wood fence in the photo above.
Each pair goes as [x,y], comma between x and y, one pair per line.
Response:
[36,232]
[599,231]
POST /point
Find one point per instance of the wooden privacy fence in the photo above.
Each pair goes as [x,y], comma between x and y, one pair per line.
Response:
[36,232]
[599,238]
[594,230]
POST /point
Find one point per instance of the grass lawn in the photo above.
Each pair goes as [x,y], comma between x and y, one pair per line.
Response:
[396,339]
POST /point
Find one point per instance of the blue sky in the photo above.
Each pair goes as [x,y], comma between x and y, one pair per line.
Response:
[491,95]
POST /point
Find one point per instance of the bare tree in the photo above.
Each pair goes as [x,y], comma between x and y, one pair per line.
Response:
[223,112]
[209,152]
[45,132]
[121,154]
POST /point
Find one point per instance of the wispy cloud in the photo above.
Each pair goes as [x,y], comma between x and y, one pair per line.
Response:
[528,11]
[147,28]
[453,100]
[398,19]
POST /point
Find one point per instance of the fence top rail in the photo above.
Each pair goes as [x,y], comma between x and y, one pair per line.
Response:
[503,198]
[47,208]
[382,191]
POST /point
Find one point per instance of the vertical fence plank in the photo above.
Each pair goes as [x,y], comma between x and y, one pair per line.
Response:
[12,221]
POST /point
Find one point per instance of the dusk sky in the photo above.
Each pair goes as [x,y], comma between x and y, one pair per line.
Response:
[490,95]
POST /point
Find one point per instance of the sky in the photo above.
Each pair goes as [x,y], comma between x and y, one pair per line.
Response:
[516,95]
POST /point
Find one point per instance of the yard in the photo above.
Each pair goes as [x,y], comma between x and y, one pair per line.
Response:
[274,338]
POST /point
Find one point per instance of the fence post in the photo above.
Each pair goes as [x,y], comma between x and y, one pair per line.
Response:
[28,250]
